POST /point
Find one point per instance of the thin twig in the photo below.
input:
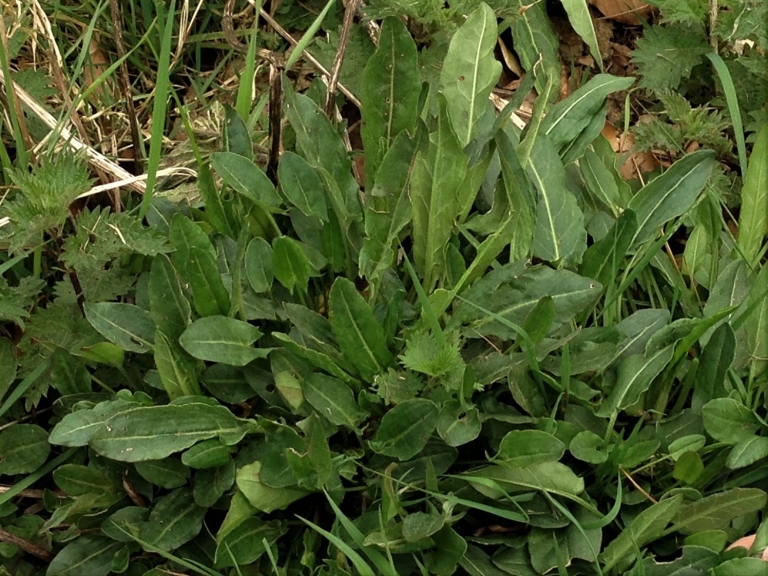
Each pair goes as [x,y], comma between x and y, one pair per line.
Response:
[341,50]
[26,546]
[638,487]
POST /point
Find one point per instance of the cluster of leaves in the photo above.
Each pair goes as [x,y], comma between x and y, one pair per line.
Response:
[485,363]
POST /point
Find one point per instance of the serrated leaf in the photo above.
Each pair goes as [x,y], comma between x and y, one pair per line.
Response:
[470,71]
[665,55]
[126,325]
[360,336]
[222,339]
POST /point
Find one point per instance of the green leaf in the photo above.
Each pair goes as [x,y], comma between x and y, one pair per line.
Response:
[636,374]
[588,447]
[716,359]
[247,543]
[87,554]
[391,87]
[756,325]
[290,264]
[210,484]
[523,448]
[581,21]
[434,191]
[222,339]
[154,432]
[215,214]
[470,71]
[747,451]
[646,527]
[167,304]
[716,511]
[7,366]
[195,261]
[559,232]
[551,477]
[76,429]
[665,55]
[566,120]
[258,265]
[206,454]
[175,520]
[23,449]
[177,371]
[78,480]
[600,177]
[458,424]
[424,353]
[126,325]
[728,420]
[539,320]
[605,258]
[302,186]
[246,178]
[671,194]
[406,428]
[166,473]
[333,399]
[261,496]
[360,336]
[536,43]
[753,218]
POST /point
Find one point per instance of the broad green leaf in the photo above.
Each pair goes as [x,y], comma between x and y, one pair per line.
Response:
[176,369]
[434,190]
[636,374]
[195,261]
[222,339]
[458,424]
[671,194]
[166,473]
[523,448]
[470,71]
[125,325]
[87,554]
[601,181]
[287,372]
[391,88]
[302,186]
[76,429]
[68,373]
[756,326]
[78,480]
[227,383]
[716,511]
[551,477]
[23,449]
[695,560]
[536,43]
[559,232]
[741,567]
[246,178]
[210,484]
[604,259]
[290,264]
[360,336]
[406,428]
[753,218]
[565,121]
[333,399]
[320,360]
[206,454]
[581,20]
[646,527]
[247,543]
[174,520]
[154,432]
[728,420]
[215,214]
[236,136]
[588,447]
[168,306]
[258,265]
[716,359]
[747,451]
[261,496]
[539,320]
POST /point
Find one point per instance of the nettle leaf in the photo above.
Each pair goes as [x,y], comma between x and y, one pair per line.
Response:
[665,55]
[154,432]
[671,194]
[391,87]
[406,428]
[302,186]
[246,178]
[222,339]
[360,336]
[470,71]
[521,448]
[423,353]
[23,449]
[434,192]
[126,325]
[195,261]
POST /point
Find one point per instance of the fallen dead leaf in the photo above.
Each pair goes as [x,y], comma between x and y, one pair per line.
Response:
[624,10]
[635,163]
[747,542]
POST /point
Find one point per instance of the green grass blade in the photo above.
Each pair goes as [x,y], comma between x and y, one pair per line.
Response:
[23,386]
[733,107]
[308,36]
[245,89]
[353,556]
